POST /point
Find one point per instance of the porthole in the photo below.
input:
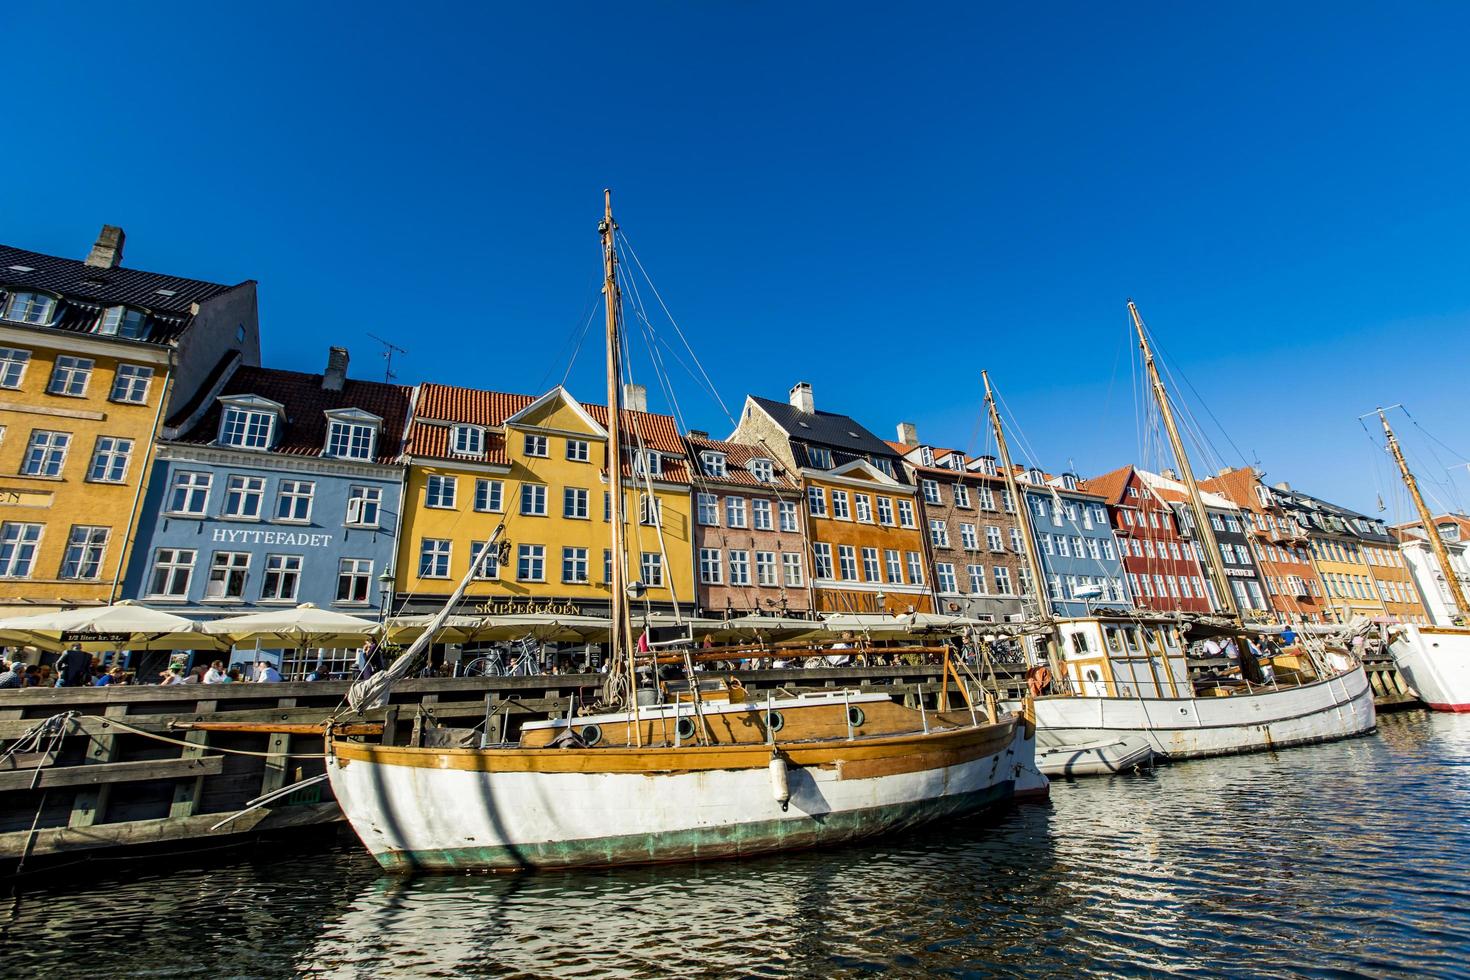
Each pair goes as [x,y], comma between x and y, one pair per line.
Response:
[591,734]
[855,716]
[685,728]
[775,720]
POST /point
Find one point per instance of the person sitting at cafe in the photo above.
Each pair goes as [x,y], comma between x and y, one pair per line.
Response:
[216,673]
[12,675]
[112,677]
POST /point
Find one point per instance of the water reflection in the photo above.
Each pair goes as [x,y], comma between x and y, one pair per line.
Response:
[1346,858]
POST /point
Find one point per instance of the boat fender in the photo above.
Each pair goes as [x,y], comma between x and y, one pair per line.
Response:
[780,788]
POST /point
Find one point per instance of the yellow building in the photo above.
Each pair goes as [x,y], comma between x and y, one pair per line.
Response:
[479,459]
[92,358]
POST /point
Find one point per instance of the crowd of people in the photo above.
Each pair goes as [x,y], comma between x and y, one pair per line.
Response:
[78,668]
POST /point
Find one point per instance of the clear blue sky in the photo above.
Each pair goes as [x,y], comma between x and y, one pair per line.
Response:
[878,200]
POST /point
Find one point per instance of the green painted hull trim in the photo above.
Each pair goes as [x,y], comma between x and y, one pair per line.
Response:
[702,843]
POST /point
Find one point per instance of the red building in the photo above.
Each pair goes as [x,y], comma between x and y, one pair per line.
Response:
[1163,568]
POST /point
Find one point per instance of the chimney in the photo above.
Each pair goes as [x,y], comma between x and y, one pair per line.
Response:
[1283,485]
[107,253]
[336,374]
[801,398]
[635,398]
[908,433]
[1169,474]
[1223,471]
[698,434]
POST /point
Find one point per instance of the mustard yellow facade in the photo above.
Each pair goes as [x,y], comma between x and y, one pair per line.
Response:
[541,471]
[78,417]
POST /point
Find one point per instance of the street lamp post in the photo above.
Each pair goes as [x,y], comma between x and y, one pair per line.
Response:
[385,595]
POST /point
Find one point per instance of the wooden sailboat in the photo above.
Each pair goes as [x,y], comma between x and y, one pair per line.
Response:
[1435,660]
[1122,680]
[703,774]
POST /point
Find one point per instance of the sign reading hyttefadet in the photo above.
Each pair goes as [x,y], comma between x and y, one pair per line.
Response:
[300,539]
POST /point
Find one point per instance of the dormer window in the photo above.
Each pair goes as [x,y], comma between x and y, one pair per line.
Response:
[763,470]
[712,463]
[33,308]
[467,440]
[122,321]
[957,462]
[886,465]
[649,462]
[820,458]
[1035,477]
[987,466]
[1069,481]
[1263,495]
[926,456]
[249,422]
[352,434]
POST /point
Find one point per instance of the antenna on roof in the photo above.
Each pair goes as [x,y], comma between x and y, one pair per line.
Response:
[389,350]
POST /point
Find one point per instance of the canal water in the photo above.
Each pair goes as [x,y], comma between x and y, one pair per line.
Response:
[1334,860]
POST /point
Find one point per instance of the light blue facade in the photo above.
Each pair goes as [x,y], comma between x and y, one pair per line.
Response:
[292,552]
[1066,522]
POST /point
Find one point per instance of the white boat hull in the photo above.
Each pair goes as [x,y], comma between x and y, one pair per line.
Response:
[429,815]
[1436,663]
[1125,753]
[1188,728]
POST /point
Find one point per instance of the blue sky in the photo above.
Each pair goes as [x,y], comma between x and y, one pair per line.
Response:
[880,201]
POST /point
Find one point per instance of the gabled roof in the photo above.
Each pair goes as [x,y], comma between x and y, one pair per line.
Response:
[827,429]
[1172,491]
[303,432]
[559,394]
[1110,486]
[88,290]
[737,458]
[865,467]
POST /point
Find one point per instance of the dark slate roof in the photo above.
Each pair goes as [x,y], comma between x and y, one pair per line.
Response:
[88,289]
[1319,515]
[828,429]
[305,431]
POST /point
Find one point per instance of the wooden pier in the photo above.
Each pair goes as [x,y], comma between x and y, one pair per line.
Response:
[122,768]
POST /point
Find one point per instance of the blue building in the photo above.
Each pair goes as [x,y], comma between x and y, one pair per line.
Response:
[273,488]
[1080,562]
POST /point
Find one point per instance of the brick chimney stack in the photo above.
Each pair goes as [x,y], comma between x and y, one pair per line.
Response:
[908,433]
[336,374]
[107,253]
[635,398]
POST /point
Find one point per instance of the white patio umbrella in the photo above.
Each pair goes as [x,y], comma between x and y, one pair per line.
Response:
[124,626]
[302,627]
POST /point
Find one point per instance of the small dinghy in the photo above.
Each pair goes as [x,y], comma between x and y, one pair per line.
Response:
[1124,754]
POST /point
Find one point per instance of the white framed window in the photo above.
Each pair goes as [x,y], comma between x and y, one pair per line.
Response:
[931,491]
[885,511]
[354,580]
[711,566]
[839,505]
[293,501]
[1008,503]
[926,456]
[712,463]
[863,507]
[1094,548]
[1047,545]
[740,568]
[350,440]
[906,514]
[122,321]
[816,501]
[708,509]
[916,567]
[434,557]
[765,569]
[467,440]
[1064,546]
[649,462]
[85,547]
[130,384]
[987,498]
[45,453]
[531,563]
[488,569]
[847,563]
[653,570]
[189,493]
[574,566]
[735,511]
[69,376]
[363,506]
[976,574]
[788,516]
[243,497]
[760,514]
[1017,545]
[884,464]
[440,491]
[969,539]
[944,577]
[1127,516]
[961,495]
[533,499]
[763,470]
[993,539]
[36,309]
[490,496]
[13,363]
[245,428]
[282,579]
[536,446]
[821,560]
[938,533]
[819,457]
[172,570]
[791,575]
[574,503]
[650,510]
[894,562]
[871,570]
[228,571]
[578,450]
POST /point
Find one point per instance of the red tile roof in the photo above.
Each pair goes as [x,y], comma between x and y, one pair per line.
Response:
[737,456]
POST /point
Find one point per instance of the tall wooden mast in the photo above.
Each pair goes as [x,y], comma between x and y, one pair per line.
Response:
[618,599]
[1457,588]
[1213,564]
[1023,514]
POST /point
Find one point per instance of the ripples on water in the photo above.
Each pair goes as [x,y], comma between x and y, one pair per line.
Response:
[1327,861]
